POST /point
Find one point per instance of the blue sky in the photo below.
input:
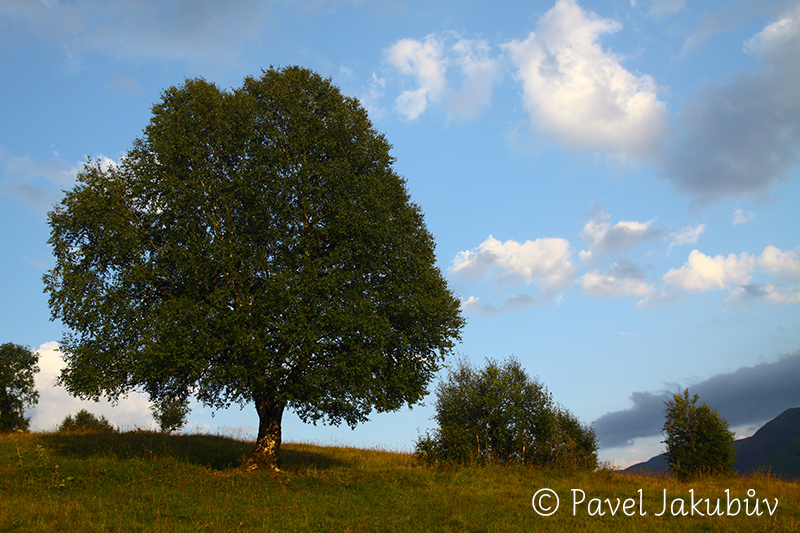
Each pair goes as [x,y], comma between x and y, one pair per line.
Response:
[612,186]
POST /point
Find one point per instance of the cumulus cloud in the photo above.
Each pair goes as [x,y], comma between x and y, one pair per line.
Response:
[733,273]
[428,62]
[742,217]
[545,262]
[55,403]
[748,396]
[581,93]
[686,236]
[606,238]
[773,292]
[742,138]
[783,265]
[623,278]
[178,29]
[703,273]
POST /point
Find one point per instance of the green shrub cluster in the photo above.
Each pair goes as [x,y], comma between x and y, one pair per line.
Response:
[697,437]
[86,421]
[499,414]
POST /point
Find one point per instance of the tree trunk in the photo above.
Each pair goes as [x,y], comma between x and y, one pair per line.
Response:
[268,444]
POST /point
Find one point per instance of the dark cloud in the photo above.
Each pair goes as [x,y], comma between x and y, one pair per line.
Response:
[625,269]
[611,239]
[513,303]
[171,29]
[750,395]
[742,138]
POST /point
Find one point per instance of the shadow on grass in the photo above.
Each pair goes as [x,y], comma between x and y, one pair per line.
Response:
[212,451]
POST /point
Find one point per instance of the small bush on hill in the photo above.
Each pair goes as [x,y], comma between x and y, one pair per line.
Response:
[170,414]
[698,439]
[86,421]
[499,414]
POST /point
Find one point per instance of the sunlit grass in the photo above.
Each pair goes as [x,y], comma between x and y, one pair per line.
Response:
[144,481]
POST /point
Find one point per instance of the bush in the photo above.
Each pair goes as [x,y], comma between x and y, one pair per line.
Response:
[698,439]
[499,414]
[18,364]
[86,422]
[170,414]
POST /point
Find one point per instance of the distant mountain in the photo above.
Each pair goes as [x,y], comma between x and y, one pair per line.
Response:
[774,448]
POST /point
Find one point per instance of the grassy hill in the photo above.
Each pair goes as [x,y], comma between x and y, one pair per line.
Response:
[151,482]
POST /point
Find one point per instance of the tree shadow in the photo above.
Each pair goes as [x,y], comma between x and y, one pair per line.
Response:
[212,451]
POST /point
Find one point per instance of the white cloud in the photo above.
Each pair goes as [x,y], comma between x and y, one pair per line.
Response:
[582,94]
[686,236]
[742,217]
[428,62]
[782,265]
[545,262]
[610,286]
[55,403]
[606,238]
[703,273]
[480,72]
[424,61]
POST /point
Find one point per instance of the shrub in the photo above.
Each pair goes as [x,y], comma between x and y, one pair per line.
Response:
[86,421]
[698,439]
[499,414]
[170,414]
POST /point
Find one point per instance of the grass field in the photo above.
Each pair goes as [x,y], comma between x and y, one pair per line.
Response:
[141,481]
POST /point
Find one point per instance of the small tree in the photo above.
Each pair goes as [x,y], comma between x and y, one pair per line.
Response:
[500,414]
[18,364]
[698,439]
[170,414]
[87,422]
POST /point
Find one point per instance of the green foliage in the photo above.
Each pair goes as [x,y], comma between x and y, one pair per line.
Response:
[252,246]
[170,414]
[18,364]
[84,421]
[499,414]
[698,439]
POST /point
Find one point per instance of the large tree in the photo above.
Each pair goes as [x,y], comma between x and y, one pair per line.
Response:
[254,245]
[697,437]
[18,364]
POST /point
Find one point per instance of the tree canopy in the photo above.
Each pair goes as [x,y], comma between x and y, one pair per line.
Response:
[500,414]
[18,364]
[254,245]
[698,439]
